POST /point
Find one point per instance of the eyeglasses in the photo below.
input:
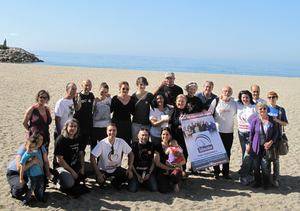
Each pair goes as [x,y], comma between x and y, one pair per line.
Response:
[263,109]
[272,97]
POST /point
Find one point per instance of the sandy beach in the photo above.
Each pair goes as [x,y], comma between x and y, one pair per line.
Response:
[21,83]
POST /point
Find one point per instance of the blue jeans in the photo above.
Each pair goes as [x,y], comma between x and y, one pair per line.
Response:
[134,184]
[17,189]
[36,184]
[244,140]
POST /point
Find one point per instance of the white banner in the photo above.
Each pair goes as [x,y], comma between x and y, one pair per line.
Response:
[203,142]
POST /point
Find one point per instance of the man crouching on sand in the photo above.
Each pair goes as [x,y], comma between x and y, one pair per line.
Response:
[110,152]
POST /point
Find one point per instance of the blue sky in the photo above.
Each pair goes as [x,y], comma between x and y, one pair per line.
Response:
[255,30]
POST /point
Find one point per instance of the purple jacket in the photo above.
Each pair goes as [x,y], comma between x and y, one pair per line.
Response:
[255,127]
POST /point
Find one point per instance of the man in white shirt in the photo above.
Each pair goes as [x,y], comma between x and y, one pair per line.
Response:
[255,90]
[64,108]
[110,152]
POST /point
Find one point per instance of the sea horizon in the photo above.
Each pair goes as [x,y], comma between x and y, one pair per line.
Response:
[170,64]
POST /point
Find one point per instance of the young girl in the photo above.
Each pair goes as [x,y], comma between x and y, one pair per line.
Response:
[175,160]
[35,173]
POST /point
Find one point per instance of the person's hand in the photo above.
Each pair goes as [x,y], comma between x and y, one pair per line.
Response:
[22,181]
[100,178]
[129,173]
[248,148]
[147,176]
[268,144]
[140,179]
[163,83]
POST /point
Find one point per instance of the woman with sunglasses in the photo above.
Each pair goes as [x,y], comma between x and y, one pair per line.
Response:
[263,134]
[101,114]
[279,115]
[38,117]
[167,179]
[122,107]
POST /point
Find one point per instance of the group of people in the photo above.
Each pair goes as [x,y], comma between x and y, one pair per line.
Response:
[145,126]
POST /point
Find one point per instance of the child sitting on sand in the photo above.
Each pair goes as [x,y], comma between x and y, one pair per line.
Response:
[35,170]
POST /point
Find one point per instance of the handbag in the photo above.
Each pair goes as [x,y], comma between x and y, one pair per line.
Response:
[283,146]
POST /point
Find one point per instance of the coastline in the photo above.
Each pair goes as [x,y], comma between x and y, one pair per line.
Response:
[21,82]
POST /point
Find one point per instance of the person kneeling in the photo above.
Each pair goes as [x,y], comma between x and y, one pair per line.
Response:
[110,152]
[143,164]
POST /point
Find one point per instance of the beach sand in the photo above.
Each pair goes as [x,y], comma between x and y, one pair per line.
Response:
[21,83]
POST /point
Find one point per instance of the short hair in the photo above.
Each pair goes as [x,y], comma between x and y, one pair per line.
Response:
[104,85]
[255,85]
[69,84]
[141,80]
[33,138]
[181,96]
[42,92]
[144,129]
[123,83]
[64,131]
[210,83]
[261,104]
[111,124]
[245,92]
[191,84]
[273,94]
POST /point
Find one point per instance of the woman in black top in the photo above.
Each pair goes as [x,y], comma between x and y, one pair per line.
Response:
[38,117]
[122,107]
[193,103]
[68,160]
[166,182]
[143,101]
[176,130]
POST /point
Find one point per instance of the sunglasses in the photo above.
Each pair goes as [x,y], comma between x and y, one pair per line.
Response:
[272,97]
[43,97]
[125,89]
[112,149]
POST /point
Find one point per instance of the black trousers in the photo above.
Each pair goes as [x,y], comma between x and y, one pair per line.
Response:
[119,175]
[97,135]
[227,139]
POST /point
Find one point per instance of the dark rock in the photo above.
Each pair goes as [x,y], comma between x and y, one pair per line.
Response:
[17,55]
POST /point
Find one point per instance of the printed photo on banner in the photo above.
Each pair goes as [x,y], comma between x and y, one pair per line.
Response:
[203,142]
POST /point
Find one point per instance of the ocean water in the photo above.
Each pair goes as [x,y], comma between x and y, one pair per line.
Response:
[169,64]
